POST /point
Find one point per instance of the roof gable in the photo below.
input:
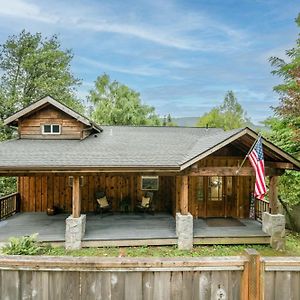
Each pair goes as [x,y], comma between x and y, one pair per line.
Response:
[215,143]
[42,103]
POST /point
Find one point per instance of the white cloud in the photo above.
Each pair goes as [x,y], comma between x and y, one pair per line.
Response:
[135,70]
[177,29]
[26,10]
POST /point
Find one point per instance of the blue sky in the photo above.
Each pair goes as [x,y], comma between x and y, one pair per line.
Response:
[182,56]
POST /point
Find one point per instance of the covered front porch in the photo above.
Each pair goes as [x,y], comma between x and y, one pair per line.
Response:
[133,229]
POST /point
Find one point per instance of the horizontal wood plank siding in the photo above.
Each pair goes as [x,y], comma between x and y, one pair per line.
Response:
[31,126]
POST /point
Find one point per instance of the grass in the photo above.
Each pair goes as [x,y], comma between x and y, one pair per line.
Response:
[292,249]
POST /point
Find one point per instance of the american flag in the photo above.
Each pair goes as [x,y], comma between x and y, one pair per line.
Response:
[256,158]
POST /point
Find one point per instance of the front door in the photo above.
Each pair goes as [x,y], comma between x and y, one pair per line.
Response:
[215,205]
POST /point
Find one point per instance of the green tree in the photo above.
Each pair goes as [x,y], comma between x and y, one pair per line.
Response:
[282,135]
[116,104]
[228,115]
[289,90]
[285,129]
[34,67]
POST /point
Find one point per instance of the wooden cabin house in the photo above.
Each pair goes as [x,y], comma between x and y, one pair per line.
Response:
[62,160]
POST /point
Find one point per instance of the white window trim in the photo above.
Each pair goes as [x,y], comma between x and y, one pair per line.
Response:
[51,133]
[150,177]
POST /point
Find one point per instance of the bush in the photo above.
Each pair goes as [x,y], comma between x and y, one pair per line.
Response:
[25,245]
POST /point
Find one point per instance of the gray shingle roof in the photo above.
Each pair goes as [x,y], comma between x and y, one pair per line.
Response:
[116,146]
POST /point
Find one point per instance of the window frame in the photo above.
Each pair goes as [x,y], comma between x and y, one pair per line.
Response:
[219,186]
[51,128]
[151,188]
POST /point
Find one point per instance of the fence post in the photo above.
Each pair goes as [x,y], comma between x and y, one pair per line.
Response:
[254,274]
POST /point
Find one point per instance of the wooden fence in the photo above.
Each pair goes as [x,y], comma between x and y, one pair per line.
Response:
[9,205]
[243,277]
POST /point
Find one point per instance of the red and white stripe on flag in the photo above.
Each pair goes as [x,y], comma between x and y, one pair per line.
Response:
[256,158]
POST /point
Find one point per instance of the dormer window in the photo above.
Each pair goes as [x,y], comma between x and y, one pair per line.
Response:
[51,129]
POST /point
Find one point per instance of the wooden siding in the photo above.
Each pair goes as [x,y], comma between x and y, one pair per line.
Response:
[40,192]
[236,196]
[31,126]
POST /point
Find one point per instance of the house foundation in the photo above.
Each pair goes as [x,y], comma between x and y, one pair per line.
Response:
[75,230]
[184,231]
[274,225]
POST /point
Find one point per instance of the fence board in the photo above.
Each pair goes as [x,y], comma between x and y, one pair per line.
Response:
[162,286]
[176,285]
[118,285]
[282,280]
[148,284]
[295,286]
[204,285]
[64,285]
[133,286]
[10,285]
[40,286]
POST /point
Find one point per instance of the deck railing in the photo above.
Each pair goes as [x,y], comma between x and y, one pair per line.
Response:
[9,205]
[260,207]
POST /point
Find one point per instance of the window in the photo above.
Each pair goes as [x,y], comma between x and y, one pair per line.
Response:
[200,189]
[215,188]
[51,129]
[150,183]
[71,181]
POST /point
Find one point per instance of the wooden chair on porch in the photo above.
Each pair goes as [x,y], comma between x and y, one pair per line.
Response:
[103,204]
[146,204]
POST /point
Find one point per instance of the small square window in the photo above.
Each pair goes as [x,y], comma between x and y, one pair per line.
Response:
[150,183]
[47,128]
[55,128]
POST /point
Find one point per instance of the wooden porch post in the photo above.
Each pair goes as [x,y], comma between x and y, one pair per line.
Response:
[273,194]
[76,207]
[184,195]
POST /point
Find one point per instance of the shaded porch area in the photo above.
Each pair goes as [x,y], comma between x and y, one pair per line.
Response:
[131,229]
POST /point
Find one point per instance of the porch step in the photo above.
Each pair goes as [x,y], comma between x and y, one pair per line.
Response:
[231,240]
[129,242]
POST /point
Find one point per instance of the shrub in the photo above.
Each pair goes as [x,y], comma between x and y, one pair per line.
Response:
[25,245]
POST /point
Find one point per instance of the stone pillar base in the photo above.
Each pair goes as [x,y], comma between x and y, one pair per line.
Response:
[184,231]
[274,225]
[75,230]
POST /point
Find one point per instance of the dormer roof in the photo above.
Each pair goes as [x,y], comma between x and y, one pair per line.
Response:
[12,120]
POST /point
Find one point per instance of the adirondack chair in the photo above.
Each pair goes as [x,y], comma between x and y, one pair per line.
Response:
[146,203]
[103,204]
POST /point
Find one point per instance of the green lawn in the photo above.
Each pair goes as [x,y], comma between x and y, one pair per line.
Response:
[29,246]
[292,249]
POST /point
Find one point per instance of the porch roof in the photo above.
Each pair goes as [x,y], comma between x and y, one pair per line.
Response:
[124,146]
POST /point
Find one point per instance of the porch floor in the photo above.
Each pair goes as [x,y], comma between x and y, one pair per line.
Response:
[113,229]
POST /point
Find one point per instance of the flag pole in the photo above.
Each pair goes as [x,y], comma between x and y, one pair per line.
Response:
[255,142]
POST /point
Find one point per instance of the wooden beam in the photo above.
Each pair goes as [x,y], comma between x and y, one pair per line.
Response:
[279,165]
[184,195]
[273,194]
[231,171]
[76,207]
